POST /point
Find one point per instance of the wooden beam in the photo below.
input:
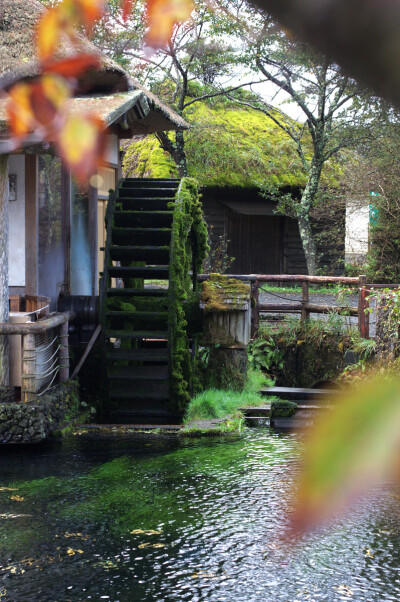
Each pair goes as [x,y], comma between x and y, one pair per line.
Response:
[287,278]
[89,346]
[309,307]
[4,299]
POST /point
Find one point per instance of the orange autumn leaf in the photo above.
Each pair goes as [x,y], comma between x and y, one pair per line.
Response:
[37,104]
[162,15]
[48,97]
[73,66]
[62,20]
[91,10]
[126,8]
[81,145]
[19,110]
[48,33]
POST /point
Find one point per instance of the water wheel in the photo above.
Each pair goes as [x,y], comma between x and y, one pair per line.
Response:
[156,242]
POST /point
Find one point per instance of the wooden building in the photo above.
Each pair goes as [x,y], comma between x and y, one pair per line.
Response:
[56,230]
[234,152]
[259,240]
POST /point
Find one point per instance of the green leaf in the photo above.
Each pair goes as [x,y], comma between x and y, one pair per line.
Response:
[352,447]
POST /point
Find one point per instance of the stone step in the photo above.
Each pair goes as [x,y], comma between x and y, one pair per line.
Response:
[301,394]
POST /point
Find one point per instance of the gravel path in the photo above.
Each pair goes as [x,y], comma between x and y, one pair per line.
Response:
[279,297]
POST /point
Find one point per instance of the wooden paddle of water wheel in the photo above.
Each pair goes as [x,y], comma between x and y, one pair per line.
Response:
[156,241]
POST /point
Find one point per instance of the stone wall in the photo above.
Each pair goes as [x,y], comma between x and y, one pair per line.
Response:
[34,421]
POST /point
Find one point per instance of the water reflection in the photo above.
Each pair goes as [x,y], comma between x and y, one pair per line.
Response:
[158,519]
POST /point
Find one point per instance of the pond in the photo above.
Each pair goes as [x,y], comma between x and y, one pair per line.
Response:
[146,518]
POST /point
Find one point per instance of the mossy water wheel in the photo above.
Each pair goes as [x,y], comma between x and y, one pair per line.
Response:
[156,242]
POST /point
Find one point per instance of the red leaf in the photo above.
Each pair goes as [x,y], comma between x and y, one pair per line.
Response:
[73,66]
[126,8]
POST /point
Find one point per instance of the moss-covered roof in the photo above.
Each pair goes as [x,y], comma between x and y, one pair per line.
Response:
[226,146]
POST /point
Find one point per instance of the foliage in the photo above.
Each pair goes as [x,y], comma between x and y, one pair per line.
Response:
[217,260]
[353,447]
[301,354]
[264,355]
[374,177]
[187,254]
[323,94]
[388,308]
[214,403]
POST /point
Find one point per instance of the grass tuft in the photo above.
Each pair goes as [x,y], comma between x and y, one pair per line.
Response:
[218,403]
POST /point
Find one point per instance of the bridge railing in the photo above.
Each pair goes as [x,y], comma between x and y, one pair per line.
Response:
[304,306]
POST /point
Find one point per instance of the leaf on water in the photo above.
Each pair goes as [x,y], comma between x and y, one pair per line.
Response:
[144,545]
[351,448]
[72,552]
[162,15]
[81,144]
[158,545]
[17,498]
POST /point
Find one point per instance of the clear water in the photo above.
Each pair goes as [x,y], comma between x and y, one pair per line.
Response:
[129,518]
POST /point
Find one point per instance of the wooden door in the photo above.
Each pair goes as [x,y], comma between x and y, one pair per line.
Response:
[256,243]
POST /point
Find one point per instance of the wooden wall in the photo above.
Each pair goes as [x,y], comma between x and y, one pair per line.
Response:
[260,241]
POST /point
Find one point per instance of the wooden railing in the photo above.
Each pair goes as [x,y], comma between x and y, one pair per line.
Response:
[304,307]
[45,353]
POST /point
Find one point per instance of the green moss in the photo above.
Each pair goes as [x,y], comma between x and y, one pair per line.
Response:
[229,145]
[220,293]
[146,159]
[283,409]
[189,245]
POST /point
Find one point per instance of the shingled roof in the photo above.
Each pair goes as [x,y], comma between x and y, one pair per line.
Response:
[102,90]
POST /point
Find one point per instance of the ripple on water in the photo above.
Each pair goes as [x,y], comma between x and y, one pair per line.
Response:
[159,520]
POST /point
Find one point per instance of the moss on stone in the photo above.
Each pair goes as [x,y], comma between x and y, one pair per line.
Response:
[220,293]
[283,409]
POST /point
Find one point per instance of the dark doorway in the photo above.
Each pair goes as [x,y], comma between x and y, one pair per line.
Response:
[256,243]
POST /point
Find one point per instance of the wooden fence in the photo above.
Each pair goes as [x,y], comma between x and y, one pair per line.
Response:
[304,307]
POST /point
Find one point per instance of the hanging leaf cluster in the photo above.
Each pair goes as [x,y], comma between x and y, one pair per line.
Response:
[37,109]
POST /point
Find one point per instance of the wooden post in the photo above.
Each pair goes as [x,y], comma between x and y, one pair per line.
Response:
[4,300]
[63,354]
[255,315]
[363,320]
[28,388]
[305,299]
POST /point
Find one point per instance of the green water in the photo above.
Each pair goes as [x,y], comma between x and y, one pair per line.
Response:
[148,518]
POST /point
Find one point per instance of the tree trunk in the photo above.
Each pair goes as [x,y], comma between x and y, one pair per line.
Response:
[303,216]
[4,296]
[180,158]
[308,242]
[176,150]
